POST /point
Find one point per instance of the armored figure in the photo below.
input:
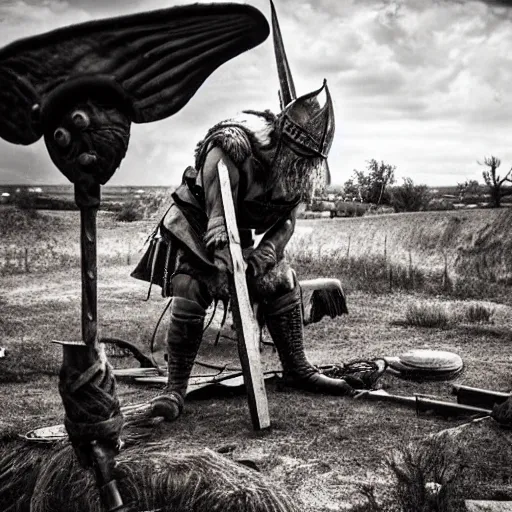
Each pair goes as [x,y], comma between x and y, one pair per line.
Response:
[274,162]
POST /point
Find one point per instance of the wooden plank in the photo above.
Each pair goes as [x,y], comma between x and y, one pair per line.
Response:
[247,330]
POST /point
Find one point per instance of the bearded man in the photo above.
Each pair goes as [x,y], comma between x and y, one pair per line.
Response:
[274,163]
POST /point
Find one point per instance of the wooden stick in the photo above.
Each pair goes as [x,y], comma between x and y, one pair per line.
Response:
[248,342]
[89,275]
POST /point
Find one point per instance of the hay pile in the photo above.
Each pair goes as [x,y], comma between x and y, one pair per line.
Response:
[150,478]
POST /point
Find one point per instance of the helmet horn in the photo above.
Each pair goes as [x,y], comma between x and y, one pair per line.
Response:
[287,87]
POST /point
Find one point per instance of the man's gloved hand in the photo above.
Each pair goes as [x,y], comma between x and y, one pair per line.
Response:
[262,259]
[216,235]
[220,280]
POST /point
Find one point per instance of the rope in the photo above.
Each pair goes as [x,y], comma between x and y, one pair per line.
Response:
[93,412]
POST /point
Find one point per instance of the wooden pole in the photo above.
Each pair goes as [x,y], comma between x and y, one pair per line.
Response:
[88,253]
[247,330]
[87,198]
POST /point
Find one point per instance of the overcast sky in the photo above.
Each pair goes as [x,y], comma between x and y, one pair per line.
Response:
[421,84]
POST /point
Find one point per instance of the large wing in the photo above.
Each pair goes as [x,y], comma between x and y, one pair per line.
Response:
[158,60]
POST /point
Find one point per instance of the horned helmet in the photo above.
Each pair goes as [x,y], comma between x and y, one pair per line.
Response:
[307,125]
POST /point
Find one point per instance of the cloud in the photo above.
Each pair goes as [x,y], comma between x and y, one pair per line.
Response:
[19,18]
[423,84]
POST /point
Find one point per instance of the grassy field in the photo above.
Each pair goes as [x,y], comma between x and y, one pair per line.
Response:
[328,451]
[463,245]
[466,253]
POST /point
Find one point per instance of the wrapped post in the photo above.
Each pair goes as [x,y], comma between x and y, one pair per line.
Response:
[87,383]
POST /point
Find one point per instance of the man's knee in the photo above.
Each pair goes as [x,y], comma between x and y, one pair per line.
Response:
[279,281]
[187,287]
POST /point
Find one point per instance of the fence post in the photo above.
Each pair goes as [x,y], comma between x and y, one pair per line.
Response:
[411,270]
[446,277]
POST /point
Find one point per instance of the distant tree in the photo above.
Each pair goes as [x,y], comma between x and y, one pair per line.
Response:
[470,188]
[494,182]
[380,176]
[352,187]
[370,186]
[409,197]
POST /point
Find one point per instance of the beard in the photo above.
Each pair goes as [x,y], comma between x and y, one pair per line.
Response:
[298,175]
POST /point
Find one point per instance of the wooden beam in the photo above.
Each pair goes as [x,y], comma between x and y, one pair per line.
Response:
[247,330]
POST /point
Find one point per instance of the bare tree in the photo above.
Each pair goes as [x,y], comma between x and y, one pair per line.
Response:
[494,182]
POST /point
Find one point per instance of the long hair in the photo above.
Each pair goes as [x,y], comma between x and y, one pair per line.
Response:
[298,175]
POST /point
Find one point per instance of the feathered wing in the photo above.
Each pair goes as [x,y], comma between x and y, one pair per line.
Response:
[157,59]
[322,297]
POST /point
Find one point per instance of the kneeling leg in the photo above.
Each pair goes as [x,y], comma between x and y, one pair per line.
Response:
[281,301]
[188,310]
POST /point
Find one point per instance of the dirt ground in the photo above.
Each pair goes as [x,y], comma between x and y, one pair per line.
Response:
[319,447]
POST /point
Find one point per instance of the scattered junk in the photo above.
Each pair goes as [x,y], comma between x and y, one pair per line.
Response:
[420,365]
[428,405]
[3,352]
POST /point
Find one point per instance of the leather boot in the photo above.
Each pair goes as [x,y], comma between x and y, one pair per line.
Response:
[184,339]
[283,317]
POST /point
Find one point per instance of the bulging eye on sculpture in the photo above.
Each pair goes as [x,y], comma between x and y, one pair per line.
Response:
[80,119]
[62,137]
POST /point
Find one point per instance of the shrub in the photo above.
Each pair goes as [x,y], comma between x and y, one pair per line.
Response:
[142,207]
[428,476]
[478,313]
[351,208]
[410,197]
[24,200]
[130,212]
[427,315]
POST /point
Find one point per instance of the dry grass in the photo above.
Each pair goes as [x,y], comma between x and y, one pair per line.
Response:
[427,314]
[428,476]
[50,241]
[467,254]
[434,313]
[478,313]
[456,253]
